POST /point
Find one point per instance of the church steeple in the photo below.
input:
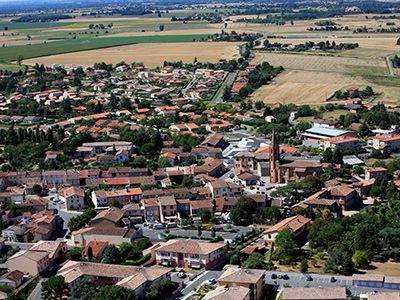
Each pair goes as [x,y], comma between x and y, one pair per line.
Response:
[274,158]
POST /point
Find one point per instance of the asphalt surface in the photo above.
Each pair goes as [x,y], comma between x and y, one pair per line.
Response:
[198,281]
[299,280]
[154,234]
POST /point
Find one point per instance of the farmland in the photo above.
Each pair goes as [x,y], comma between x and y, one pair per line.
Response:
[151,54]
[67,46]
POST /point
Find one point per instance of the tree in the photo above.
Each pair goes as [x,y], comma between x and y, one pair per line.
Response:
[347,265]
[255,261]
[19,59]
[360,259]
[243,211]
[111,255]
[128,251]
[36,189]
[271,215]
[53,287]
[304,266]
[90,253]
[75,253]
[83,289]
[112,292]
[284,246]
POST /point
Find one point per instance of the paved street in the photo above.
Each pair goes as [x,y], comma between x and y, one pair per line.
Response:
[154,234]
[201,279]
[299,280]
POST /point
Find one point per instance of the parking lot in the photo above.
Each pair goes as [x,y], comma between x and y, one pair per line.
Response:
[153,234]
[299,280]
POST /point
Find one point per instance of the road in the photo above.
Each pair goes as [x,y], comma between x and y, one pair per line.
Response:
[37,292]
[299,280]
[390,65]
[153,234]
[228,81]
[201,279]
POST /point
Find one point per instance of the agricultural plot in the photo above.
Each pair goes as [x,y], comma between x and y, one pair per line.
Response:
[151,54]
[302,87]
[67,46]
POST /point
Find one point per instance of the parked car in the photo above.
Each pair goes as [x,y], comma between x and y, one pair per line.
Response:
[181,274]
[333,279]
[309,278]
[274,276]
[158,226]
[285,277]
[211,281]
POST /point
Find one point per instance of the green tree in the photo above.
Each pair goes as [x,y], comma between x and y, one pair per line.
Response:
[255,261]
[90,253]
[304,266]
[75,253]
[112,292]
[111,255]
[83,289]
[271,215]
[53,287]
[244,210]
[284,246]
[19,59]
[360,259]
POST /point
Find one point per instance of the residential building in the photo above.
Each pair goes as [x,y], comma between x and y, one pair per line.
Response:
[74,198]
[224,293]
[386,142]
[103,198]
[251,279]
[297,224]
[137,279]
[190,254]
[13,278]
[30,262]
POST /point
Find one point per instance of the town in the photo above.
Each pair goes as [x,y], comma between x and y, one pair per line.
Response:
[128,181]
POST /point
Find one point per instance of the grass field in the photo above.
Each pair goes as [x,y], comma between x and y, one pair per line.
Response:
[151,54]
[10,53]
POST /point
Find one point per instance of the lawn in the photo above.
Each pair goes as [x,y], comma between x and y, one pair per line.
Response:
[8,54]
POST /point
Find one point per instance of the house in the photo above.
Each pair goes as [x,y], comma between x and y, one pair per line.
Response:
[215,140]
[199,206]
[377,173]
[56,250]
[317,293]
[251,279]
[74,198]
[190,254]
[109,217]
[386,142]
[134,212]
[112,235]
[137,279]
[31,262]
[151,210]
[224,293]
[346,144]
[122,156]
[13,278]
[168,209]
[222,188]
[103,198]
[297,224]
[98,248]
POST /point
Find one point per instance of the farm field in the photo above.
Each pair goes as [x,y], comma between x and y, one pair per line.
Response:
[302,87]
[151,54]
[38,50]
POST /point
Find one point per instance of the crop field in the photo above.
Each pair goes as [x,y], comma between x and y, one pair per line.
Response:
[67,46]
[151,54]
[319,63]
[302,87]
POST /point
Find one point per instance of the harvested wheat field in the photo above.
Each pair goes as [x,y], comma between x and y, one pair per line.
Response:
[151,54]
[302,87]
[319,62]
